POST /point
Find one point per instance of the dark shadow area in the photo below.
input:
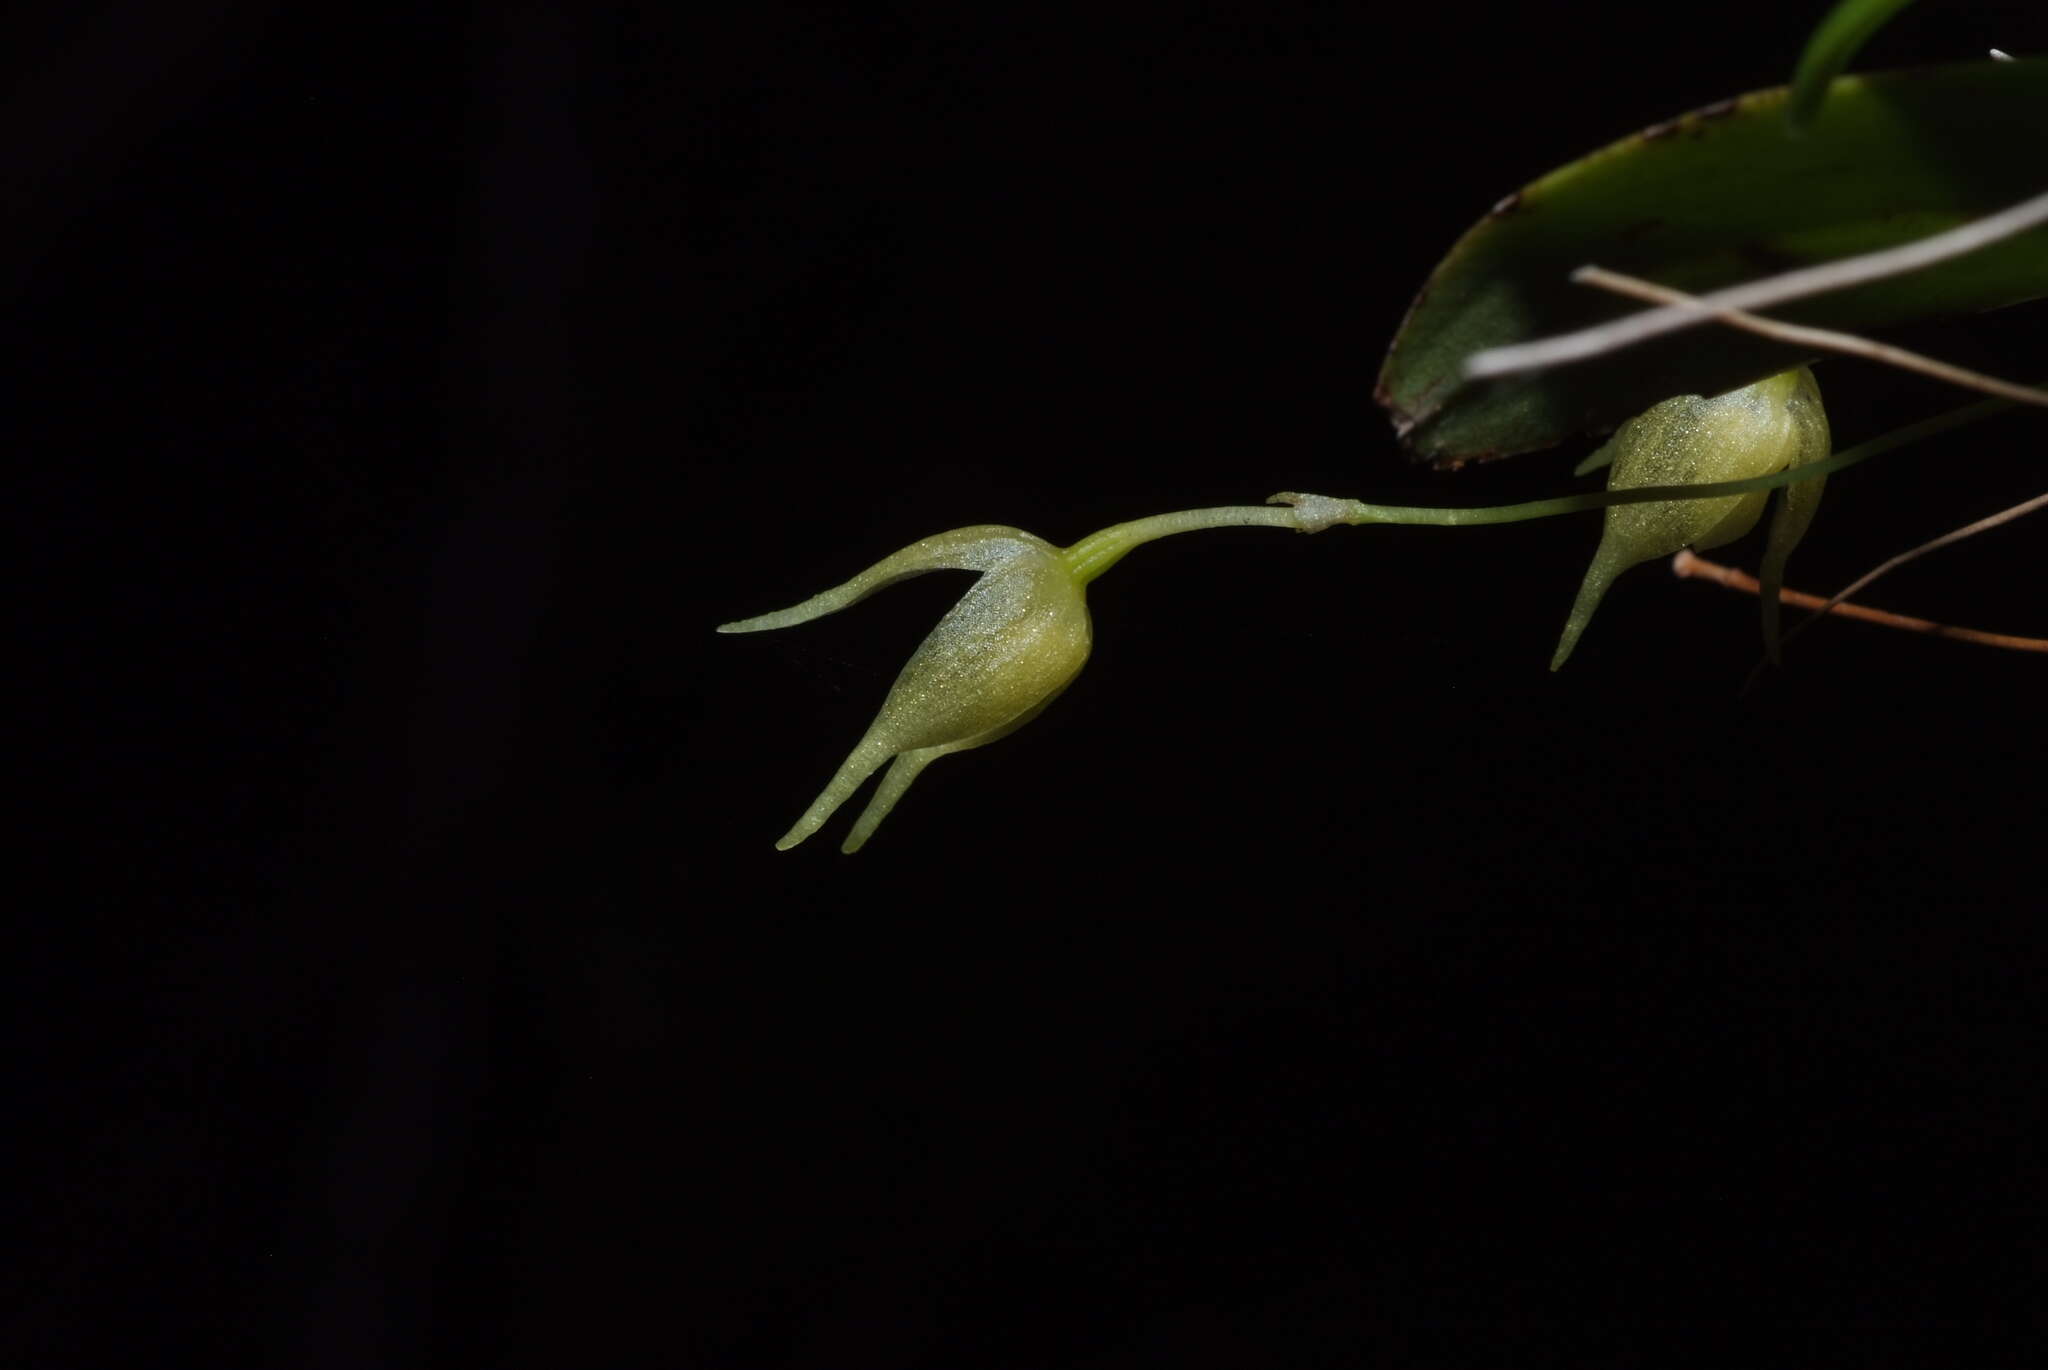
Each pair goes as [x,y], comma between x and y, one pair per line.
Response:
[409,979]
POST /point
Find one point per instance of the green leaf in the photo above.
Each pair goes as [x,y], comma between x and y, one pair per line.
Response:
[1835,41]
[1713,198]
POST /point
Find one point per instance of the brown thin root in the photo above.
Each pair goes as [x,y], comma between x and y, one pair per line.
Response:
[1689,566]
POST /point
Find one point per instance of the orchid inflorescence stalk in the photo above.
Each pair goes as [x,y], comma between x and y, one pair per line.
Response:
[1021,632]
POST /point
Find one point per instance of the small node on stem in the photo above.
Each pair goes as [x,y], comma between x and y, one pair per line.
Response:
[1314,513]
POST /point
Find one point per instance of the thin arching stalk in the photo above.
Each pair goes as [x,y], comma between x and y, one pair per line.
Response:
[1820,339]
[1792,285]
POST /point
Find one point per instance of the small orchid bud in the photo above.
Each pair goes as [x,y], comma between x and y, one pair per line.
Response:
[1015,640]
[1755,431]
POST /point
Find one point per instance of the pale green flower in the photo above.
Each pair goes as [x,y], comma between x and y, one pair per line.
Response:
[1758,430]
[1015,640]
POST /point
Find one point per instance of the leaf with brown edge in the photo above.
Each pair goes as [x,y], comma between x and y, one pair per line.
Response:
[1712,198]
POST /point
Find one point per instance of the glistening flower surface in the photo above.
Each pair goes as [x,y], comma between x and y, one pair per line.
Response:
[1690,440]
[1001,654]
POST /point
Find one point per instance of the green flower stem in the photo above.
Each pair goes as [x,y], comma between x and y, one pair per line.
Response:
[1097,552]
[1360,512]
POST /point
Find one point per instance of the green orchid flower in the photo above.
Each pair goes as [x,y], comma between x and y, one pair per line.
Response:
[1016,639]
[1004,652]
[1757,430]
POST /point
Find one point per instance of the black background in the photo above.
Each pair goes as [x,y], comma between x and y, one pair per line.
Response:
[397,402]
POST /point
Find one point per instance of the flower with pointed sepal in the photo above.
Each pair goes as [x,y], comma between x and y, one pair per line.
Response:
[1004,652]
[1016,639]
[1758,430]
